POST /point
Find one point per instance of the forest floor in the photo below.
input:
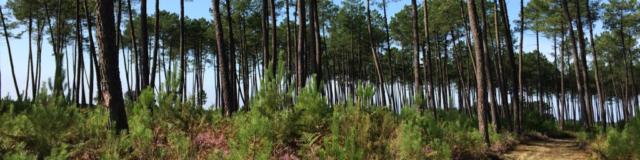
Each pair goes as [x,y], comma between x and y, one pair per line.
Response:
[545,148]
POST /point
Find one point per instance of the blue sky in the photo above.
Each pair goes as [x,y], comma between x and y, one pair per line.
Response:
[194,9]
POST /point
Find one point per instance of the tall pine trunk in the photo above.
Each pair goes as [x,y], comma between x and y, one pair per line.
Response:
[480,75]
[229,102]
[79,52]
[317,60]
[427,61]
[231,67]
[156,46]
[596,66]
[574,50]
[110,82]
[274,39]
[515,96]
[265,34]
[300,74]
[183,61]
[416,48]
[144,40]
[583,66]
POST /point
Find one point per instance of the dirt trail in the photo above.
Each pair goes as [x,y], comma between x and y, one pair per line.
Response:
[548,149]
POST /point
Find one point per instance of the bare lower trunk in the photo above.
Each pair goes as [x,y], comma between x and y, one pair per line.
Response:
[110,83]
[601,103]
[480,79]
[300,75]
[574,50]
[229,102]
[515,96]
[416,49]
[156,46]
[427,59]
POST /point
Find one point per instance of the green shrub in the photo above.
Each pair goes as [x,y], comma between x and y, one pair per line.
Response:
[140,126]
[253,138]
[310,109]
[409,143]
[348,134]
[624,144]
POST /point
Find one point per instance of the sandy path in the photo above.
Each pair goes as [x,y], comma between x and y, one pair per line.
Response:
[548,149]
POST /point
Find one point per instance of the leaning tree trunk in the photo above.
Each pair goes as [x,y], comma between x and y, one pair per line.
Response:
[58,75]
[374,53]
[110,83]
[515,96]
[93,56]
[388,48]
[601,103]
[6,38]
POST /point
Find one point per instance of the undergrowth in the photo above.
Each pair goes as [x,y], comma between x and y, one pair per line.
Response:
[278,125]
[620,143]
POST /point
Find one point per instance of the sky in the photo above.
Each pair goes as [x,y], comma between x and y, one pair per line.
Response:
[193,9]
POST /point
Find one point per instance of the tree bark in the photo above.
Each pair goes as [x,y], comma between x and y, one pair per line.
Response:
[231,67]
[265,34]
[574,50]
[317,46]
[79,52]
[111,88]
[601,101]
[515,96]
[388,48]
[93,57]
[289,66]
[229,102]
[300,74]
[144,40]
[183,61]
[274,39]
[480,79]
[31,63]
[427,62]
[416,48]
[520,57]
[156,46]
[583,65]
